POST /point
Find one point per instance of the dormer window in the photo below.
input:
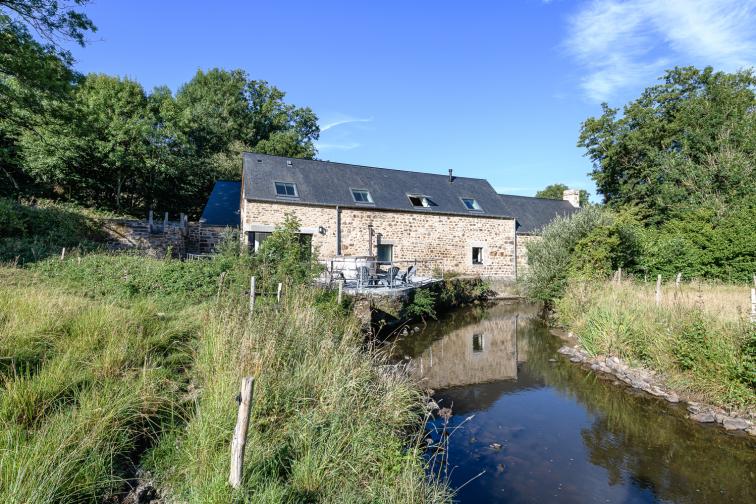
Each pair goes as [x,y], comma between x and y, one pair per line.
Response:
[472,204]
[361,196]
[288,189]
[420,201]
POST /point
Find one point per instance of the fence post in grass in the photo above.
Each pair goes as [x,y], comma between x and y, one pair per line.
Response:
[239,440]
[753,306]
[252,295]
[165,221]
[341,291]
[278,293]
[677,280]
[63,254]
[658,290]
[619,275]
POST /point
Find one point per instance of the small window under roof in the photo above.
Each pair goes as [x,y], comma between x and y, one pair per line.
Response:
[362,196]
[420,201]
[472,204]
[286,189]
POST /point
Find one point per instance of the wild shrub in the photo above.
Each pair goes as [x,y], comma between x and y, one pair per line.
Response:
[423,305]
[550,258]
[285,257]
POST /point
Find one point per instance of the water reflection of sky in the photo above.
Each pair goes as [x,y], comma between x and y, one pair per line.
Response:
[565,435]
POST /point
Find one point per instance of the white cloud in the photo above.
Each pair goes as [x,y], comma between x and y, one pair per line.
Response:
[336,146]
[619,44]
[339,122]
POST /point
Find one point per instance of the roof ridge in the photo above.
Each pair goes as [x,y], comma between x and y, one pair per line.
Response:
[365,166]
[532,197]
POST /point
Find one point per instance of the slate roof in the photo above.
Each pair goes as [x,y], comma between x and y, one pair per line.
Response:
[329,184]
[533,214]
[222,208]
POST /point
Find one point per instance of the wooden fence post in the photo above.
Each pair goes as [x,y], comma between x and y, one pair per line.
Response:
[341,291]
[239,441]
[63,254]
[677,280]
[658,290]
[252,295]
[278,293]
[753,306]
[619,275]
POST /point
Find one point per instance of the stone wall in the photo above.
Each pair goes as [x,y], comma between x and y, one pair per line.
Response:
[522,252]
[171,238]
[414,236]
[203,239]
[168,239]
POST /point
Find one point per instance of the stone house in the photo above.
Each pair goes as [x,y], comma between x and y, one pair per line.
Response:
[347,211]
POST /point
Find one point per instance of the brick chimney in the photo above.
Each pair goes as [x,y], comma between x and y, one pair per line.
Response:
[573,196]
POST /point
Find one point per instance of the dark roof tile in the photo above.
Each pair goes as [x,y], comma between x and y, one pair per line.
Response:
[328,183]
[534,213]
[222,208]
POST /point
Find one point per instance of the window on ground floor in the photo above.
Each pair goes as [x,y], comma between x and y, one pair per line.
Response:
[477,343]
[255,239]
[477,255]
[385,252]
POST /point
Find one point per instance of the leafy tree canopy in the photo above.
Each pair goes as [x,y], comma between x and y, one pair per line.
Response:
[685,142]
[556,191]
[226,111]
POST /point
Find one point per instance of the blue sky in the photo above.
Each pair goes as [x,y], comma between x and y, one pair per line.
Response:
[495,90]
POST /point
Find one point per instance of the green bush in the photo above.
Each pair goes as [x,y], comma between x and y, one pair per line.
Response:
[550,258]
[423,305]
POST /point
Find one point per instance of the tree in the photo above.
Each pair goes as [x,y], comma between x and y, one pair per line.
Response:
[35,77]
[556,191]
[223,112]
[685,142]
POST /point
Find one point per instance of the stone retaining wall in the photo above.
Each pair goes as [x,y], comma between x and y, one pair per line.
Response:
[163,239]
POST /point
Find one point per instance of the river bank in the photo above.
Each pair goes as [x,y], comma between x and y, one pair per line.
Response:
[695,339]
[528,426]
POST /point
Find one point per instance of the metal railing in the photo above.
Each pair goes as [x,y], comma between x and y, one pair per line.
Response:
[366,272]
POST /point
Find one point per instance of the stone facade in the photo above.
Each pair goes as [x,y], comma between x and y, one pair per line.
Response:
[522,252]
[413,235]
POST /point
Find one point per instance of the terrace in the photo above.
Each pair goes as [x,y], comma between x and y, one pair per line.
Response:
[368,275]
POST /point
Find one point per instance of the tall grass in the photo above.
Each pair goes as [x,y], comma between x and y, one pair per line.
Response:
[84,384]
[118,361]
[699,337]
[327,424]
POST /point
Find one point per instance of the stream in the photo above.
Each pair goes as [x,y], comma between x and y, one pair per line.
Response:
[546,430]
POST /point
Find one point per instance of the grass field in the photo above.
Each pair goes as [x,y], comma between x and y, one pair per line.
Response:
[699,337]
[118,362]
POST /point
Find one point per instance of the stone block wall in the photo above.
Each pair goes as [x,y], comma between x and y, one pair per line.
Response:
[522,252]
[203,239]
[414,235]
[168,239]
[172,238]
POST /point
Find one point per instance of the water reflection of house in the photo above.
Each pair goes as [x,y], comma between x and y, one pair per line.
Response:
[484,351]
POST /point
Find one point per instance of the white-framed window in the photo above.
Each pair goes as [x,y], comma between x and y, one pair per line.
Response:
[255,239]
[477,255]
[288,189]
[420,201]
[361,196]
[471,204]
